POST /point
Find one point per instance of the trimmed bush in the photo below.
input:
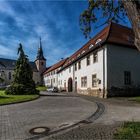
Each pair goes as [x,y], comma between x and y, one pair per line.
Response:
[20,89]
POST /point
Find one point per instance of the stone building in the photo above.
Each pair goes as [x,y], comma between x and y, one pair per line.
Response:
[108,61]
[38,67]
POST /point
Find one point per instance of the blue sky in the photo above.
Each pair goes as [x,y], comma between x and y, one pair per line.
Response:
[57,22]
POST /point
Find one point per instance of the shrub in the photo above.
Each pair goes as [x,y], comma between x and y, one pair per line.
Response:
[19,89]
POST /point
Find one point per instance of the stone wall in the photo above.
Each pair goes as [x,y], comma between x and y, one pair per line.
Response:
[93,92]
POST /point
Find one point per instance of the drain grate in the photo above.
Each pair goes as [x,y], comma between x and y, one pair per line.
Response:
[39,130]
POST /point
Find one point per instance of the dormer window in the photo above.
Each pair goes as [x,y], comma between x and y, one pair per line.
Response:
[98,41]
[83,52]
[78,55]
[91,46]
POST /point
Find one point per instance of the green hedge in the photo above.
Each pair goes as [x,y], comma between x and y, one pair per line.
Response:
[19,89]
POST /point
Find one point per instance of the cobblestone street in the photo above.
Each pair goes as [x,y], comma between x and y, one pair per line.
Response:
[117,110]
[54,111]
[89,132]
[16,120]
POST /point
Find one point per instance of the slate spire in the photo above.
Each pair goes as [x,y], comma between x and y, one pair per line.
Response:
[40,55]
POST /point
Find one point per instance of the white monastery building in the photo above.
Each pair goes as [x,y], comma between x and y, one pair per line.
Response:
[106,62]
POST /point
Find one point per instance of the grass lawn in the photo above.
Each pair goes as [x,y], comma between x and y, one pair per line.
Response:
[41,88]
[6,99]
[129,131]
[137,99]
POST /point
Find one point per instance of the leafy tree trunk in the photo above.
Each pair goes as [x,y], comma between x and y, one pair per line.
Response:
[133,11]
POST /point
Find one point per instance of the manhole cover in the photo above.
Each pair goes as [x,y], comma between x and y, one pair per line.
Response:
[39,130]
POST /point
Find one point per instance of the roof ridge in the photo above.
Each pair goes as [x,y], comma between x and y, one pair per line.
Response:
[91,39]
[110,25]
[53,67]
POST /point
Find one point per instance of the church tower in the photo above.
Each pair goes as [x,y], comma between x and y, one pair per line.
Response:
[40,59]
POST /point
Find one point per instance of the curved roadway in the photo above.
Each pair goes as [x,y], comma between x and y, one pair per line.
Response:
[54,112]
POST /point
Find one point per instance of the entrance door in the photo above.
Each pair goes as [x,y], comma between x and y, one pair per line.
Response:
[70,85]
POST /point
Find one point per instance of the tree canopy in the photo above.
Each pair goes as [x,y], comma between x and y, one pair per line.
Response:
[112,10]
[23,76]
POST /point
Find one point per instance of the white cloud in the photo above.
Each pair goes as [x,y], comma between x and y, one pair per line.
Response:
[4,51]
[6,8]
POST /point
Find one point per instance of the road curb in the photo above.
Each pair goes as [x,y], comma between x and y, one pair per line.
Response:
[21,101]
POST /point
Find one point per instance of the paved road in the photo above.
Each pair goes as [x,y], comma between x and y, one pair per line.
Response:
[117,110]
[16,120]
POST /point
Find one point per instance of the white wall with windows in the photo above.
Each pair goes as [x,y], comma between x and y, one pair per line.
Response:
[109,66]
[85,73]
[64,76]
[90,75]
[123,66]
[51,78]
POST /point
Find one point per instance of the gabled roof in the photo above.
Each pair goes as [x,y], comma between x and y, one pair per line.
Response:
[102,35]
[10,64]
[122,35]
[55,66]
[113,33]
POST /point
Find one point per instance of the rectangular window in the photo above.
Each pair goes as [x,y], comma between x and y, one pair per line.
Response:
[95,57]
[88,60]
[127,77]
[94,80]
[79,65]
[84,81]
[75,66]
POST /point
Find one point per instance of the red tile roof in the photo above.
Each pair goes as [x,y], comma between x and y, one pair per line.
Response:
[55,66]
[102,35]
[121,35]
[113,33]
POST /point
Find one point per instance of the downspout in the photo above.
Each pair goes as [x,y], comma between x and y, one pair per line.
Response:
[103,72]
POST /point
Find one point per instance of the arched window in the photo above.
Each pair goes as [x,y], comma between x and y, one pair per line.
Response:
[9,75]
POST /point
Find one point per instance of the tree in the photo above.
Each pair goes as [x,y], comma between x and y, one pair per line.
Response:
[23,76]
[112,10]
[2,64]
